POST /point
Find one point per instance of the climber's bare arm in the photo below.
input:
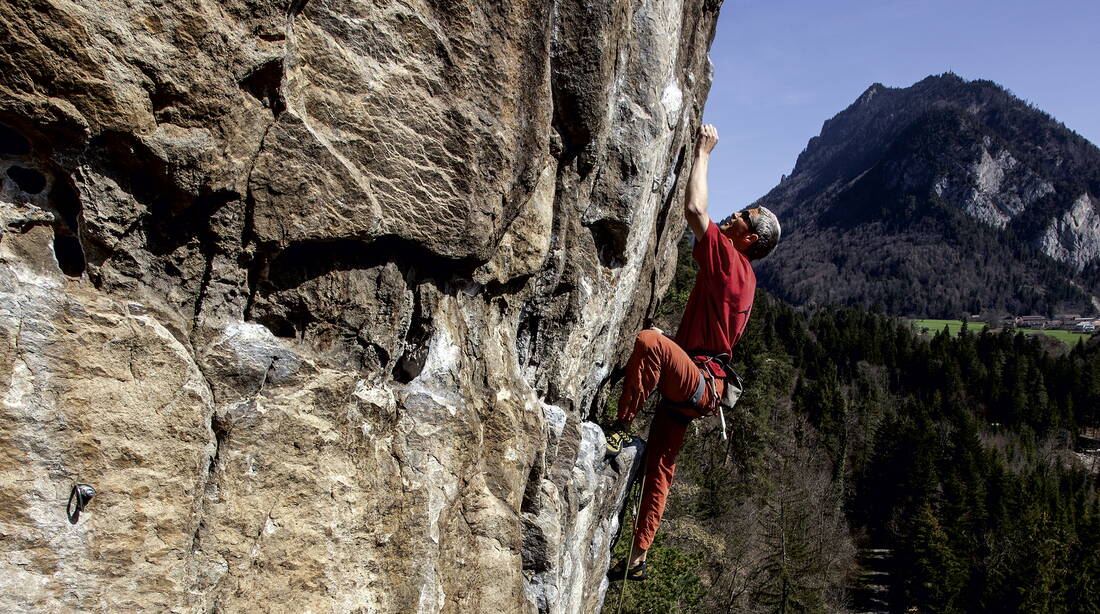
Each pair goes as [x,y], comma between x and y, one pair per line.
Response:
[695,200]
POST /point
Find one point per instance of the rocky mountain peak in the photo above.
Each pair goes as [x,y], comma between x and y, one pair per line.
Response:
[869,93]
[939,148]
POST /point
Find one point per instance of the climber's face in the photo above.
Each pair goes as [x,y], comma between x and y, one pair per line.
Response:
[740,230]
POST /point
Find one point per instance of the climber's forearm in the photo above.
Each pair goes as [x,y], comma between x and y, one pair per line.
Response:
[695,197]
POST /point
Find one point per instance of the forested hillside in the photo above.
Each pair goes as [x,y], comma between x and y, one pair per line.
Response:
[955,454]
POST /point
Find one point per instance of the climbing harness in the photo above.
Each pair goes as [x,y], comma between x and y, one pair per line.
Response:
[700,404]
[79,497]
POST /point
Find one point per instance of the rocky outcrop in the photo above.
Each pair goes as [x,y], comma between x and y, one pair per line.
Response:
[996,188]
[1075,235]
[321,296]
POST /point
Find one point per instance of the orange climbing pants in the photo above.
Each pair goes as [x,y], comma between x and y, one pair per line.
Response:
[657,362]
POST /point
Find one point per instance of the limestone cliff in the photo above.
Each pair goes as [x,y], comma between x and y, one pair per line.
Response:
[320,294]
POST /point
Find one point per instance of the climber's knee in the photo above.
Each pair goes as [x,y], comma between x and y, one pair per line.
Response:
[648,339]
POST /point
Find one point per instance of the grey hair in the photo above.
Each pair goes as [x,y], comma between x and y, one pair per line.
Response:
[766,226]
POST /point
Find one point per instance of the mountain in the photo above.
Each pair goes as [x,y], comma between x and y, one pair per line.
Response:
[943,198]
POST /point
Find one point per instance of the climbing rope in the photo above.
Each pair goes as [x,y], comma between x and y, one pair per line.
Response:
[633,530]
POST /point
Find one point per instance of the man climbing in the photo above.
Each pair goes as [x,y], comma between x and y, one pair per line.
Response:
[686,369]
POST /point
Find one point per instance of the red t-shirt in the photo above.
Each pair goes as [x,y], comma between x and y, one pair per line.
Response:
[721,301]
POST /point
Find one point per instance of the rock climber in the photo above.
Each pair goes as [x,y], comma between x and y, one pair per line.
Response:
[689,370]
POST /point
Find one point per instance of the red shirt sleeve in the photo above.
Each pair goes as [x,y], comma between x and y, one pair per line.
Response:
[713,253]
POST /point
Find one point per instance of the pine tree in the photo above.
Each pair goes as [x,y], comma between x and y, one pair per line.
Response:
[1084,586]
[936,576]
[795,566]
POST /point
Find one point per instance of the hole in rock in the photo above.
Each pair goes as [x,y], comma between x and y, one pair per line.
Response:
[12,143]
[610,238]
[64,198]
[410,364]
[270,36]
[264,82]
[279,326]
[220,427]
[163,96]
[69,254]
[272,276]
[28,179]
[169,227]
[296,7]
[302,262]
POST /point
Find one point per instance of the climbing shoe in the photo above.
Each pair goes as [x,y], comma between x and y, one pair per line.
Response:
[619,572]
[616,439]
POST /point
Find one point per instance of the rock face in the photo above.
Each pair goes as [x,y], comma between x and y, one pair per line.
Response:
[1075,236]
[944,198]
[995,188]
[320,295]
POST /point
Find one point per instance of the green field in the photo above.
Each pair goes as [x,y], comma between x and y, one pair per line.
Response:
[953,326]
[1065,336]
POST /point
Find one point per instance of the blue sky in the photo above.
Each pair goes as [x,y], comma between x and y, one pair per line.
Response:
[782,67]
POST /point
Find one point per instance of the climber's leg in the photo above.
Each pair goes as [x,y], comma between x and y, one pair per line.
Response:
[666,436]
[656,362]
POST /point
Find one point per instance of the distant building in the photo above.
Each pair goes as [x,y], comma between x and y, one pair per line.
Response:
[1065,321]
[1032,322]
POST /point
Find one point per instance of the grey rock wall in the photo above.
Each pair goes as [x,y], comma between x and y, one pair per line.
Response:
[1074,237]
[321,295]
[995,188]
